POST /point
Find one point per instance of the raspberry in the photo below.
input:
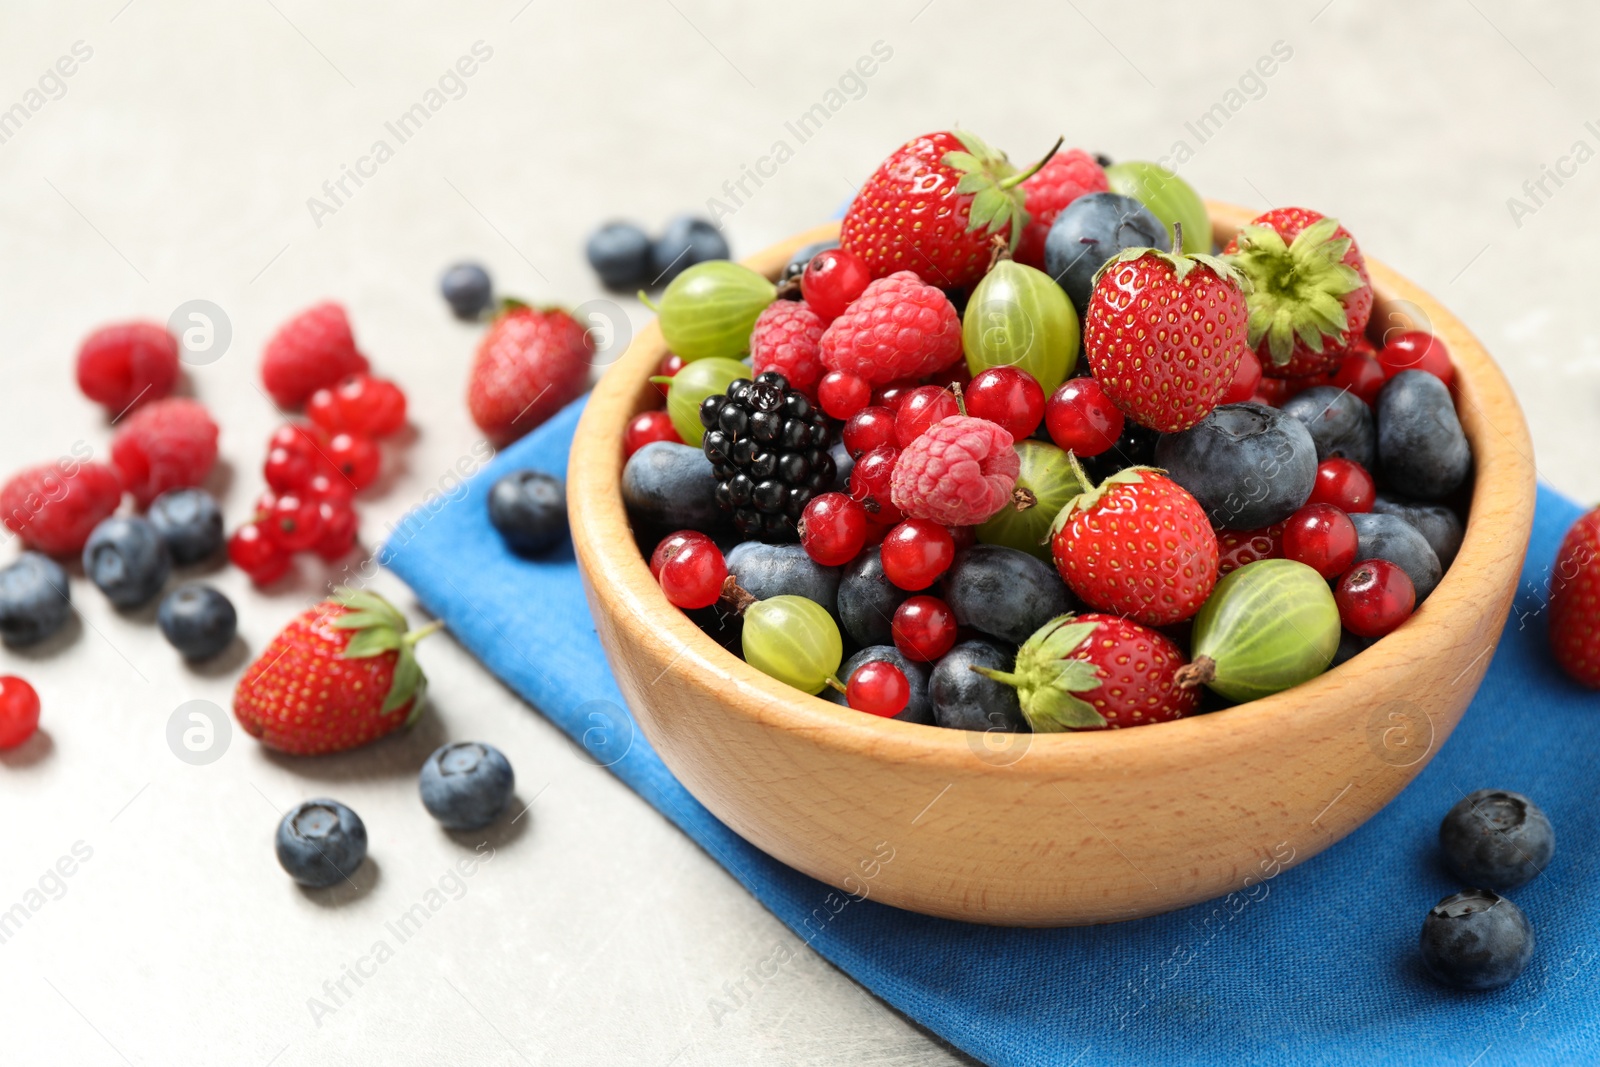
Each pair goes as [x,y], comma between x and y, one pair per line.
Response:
[168,445]
[311,351]
[959,473]
[1059,182]
[128,363]
[53,508]
[785,339]
[899,328]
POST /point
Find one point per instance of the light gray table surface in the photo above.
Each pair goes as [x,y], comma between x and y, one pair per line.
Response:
[178,162]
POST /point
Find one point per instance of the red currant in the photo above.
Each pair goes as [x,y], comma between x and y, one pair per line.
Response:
[670,365]
[878,688]
[647,428]
[287,471]
[964,536]
[339,529]
[690,568]
[324,487]
[254,550]
[308,439]
[355,457]
[295,521]
[323,409]
[916,552]
[1081,418]
[1009,397]
[921,408]
[1374,597]
[1322,537]
[953,375]
[924,628]
[869,484]
[842,395]
[1360,374]
[869,428]
[1272,392]
[1345,484]
[892,393]
[1245,380]
[832,281]
[1416,350]
[372,407]
[19,710]
[833,529]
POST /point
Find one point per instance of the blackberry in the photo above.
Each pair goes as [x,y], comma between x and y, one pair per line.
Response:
[768,447]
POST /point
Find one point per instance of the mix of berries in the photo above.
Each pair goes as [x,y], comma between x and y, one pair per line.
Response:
[1229,483]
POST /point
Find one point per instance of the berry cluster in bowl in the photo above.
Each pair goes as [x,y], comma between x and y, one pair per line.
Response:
[1024,451]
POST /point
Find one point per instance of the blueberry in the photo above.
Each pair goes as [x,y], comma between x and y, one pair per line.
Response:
[466,784]
[917,707]
[1350,646]
[1091,230]
[669,486]
[197,620]
[687,241]
[1248,465]
[35,600]
[1340,423]
[619,252]
[529,509]
[766,571]
[1422,452]
[1476,939]
[797,262]
[843,464]
[963,699]
[867,600]
[321,843]
[1396,540]
[467,290]
[1004,593]
[1440,525]
[190,524]
[127,560]
[1496,838]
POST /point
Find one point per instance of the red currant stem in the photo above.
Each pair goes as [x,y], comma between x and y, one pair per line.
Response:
[833,682]
[1201,671]
[1019,178]
[736,596]
[961,400]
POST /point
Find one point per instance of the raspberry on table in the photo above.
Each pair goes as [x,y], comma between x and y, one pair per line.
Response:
[900,327]
[54,510]
[171,444]
[128,363]
[786,339]
[311,351]
[958,473]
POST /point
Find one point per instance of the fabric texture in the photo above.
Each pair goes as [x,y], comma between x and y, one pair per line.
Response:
[1320,967]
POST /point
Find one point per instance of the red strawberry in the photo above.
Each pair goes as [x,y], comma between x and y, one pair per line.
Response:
[1235,548]
[54,508]
[1164,333]
[1575,601]
[1137,545]
[1097,672]
[340,675]
[1065,177]
[1309,291]
[934,207]
[311,351]
[128,363]
[529,366]
[167,445]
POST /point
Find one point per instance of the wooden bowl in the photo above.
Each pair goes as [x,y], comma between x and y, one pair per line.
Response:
[1056,829]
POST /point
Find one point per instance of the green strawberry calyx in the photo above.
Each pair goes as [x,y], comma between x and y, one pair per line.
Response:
[1048,683]
[1296,288]
[1182,263]
[1092,495]
[997,198]
[380,627]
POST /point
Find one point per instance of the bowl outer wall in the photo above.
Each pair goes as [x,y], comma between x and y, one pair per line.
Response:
[1057,829]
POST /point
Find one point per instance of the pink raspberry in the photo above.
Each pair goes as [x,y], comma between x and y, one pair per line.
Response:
[311,351]
[166,445]
[785,339]
[128,363]
[960,472]
[899,327]
[54,507]
[1059,182]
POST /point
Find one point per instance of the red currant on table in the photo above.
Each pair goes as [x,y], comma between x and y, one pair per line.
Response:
[339,529]
[287,470]
[921,408]
[1416,350]
[690,568]
[833,529]
[670,365]
[307,439]
[892,393]
[869,484]
[916,552]
[1345,484]
[647,428]
[1008,397]
[832,281]
[869,428]
[1360,374]
[254,550]
[1245,380]
[19,711]
[355,457]
[1374,597]
[1081,418]
[878,688]
[924,628]
[373,407]
[842,395]
[1322,537]
[294,521]
[330,488]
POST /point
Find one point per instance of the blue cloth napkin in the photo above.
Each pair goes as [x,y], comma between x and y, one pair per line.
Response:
[1320,968]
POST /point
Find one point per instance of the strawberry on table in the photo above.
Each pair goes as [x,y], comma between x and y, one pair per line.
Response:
[529,366]
[1575,601]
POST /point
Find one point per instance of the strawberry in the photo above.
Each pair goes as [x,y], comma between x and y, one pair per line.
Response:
[342,674]
[1137,545]
[1067,176]
[1309,294]
[529,366]
[1097,672]
[1164,333]
[934,207]
[1575,601]
[311,351]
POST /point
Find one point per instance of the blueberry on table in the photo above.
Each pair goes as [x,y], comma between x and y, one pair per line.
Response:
[1089,231]
[1438,524]
[466,784]
[35,600]
[1496,838]
[529,510]
[1422,451]
[667,486]
[917,708]
[1003,592]
[1476,940]
[1248,465]
[198,621]
[766,571]
[127,560]
[1396,540]
[190,524]
[1340,423]
[867,600]
[686,241]
[619,252]
[321,843]
[963,699]
[467,289]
